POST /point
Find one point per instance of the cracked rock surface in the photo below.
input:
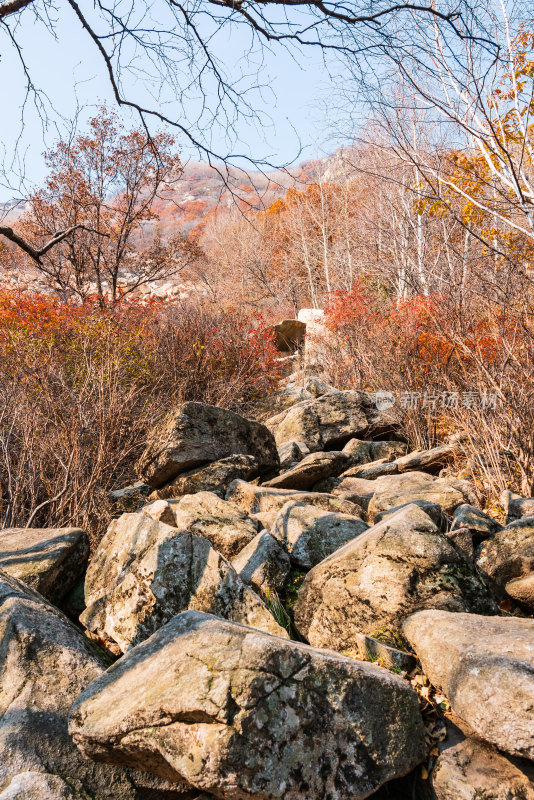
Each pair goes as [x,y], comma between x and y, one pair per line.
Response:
[232,710]
[310,534]
[485,667]
[195,434]
[45,662]
[144,572]
[399,566]
[49,560]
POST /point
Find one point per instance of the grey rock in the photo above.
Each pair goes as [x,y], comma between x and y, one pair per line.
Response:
[194,434]
[225,525]
[310,470]
[510,553]
[145,572]
[462,538]
[264,519]
[49,560]
[310,534]
[372,470]
[264,564]
[485,667]
[290,453]
[160,511]
[375,581]
[254,499]
[363,452]
[215,477]
[330,420]
[430,460]
[391,657]
[45,662]
[394,490]
[241,714]
[360,490]
[38,786]
[474,770]
[481,525]
[516,506]
[134,492]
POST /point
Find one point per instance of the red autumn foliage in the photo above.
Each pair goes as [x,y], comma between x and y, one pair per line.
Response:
[82,385]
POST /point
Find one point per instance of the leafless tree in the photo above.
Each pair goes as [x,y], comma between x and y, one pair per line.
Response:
[174,48]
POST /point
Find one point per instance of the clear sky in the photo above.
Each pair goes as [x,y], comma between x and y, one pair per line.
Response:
[71,73]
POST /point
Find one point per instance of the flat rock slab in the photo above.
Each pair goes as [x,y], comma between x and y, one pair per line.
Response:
[473,770]
[522,590]
[313,468]
[241,714]
[144,572]
[45,662]
[49,560]
[310,534]
[394,490]
[485,667]
[401,565]
[195,434]
[215,477]
[255,499]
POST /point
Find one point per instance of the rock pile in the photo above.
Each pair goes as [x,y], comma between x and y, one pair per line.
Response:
[198,666]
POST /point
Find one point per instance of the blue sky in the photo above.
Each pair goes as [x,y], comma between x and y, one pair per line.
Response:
[70,73]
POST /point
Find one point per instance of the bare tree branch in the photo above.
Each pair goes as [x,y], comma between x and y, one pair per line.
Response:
[37,253]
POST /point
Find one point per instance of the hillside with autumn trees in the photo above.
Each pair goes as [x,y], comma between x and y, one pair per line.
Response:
[420,256]
[267,423]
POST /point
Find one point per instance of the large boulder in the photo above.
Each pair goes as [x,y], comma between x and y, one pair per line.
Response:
[195,434]
[312,468]
[49,560]
[474,770]
[215,477]
[225,525]
[522,590]
[485,667]
[289,335]
[330,420]
[256,499]
[399,566]
[394,490]
[264,564]
[240,714]
[45,663]
[310,534]
[144,572]
[510,553]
